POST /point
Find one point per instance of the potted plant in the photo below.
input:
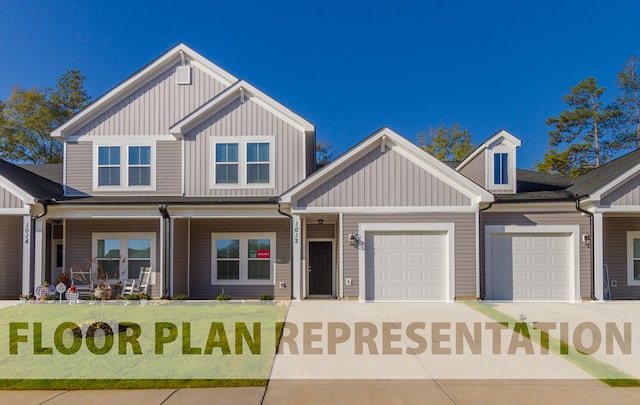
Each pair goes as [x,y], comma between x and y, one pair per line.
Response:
[24,297]
[144,298]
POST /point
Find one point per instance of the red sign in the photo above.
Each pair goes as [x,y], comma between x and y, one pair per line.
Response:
[264,254]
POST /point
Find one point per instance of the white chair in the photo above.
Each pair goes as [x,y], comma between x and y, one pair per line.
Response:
[82,280]
[139,285]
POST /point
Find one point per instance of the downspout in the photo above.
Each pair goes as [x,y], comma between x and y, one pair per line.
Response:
[591,255]
[167,249]
[290,237]
[45,202]
[480,248]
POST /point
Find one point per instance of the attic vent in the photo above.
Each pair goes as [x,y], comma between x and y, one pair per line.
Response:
[183,75]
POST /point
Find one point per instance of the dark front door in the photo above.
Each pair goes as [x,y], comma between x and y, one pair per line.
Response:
[320,268]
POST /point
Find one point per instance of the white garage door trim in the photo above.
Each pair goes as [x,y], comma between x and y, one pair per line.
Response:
[574,254]
[363,228]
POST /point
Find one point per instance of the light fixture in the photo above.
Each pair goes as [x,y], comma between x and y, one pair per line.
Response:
[320,221]
[354,239]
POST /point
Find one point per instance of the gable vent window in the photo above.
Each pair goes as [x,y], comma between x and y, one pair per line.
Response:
[500,168]
[183,75]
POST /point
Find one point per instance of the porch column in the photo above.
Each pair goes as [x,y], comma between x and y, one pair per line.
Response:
[26,254]
[295,260]
[598,259]
[39,252]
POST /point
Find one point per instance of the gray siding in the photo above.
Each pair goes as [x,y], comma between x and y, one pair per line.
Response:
[78,239]
[180,256]
[615,254]
[464,246]
[383,179]
[200,272]
[154,107]
[9,200]
[475,170]
[79,167]
[541,218]
[10,256]
[243,119]
[627,193]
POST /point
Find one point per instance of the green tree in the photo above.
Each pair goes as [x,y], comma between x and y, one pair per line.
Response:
[629,100]
[324,152]
[28,116]
[447,143]
[585,135]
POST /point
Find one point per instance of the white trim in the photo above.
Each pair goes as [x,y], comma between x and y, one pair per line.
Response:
[15,190]
[632,209]
[447,227]
[243,145]
[574,255]
[40,239]
[631,235]
[340,255]
[296,240]
[126,138]
[26,241]
[305,259]
[129,85]
[383,210]
[597,244]
[64,169]
[534,207]
[124,165]
[510,186]
[244,237]
[15,211]
[476,234]
[123,237]
[333,266]
[598,194]
[183,181]
[502,134]
[417,155]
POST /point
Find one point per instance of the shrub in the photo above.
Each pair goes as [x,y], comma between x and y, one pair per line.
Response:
[132,297]
[180,297]
[223,297]
[266,297]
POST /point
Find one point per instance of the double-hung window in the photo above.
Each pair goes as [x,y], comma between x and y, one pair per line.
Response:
[108,166]
[243,258]
[139,165]
[242,161]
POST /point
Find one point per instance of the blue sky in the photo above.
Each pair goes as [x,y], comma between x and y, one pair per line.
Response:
[348,67]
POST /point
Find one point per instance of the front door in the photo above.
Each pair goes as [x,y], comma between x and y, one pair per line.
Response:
[320,268]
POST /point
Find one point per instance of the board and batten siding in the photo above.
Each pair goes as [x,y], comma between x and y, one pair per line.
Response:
[464,246]
[10,256]
[540,218]
[180,256]
[615,254]
[9,200]
[628,193]
[155,106]
[200,276]
[78,240]
[243,119]
[383,179]
[475,170]
[79,167]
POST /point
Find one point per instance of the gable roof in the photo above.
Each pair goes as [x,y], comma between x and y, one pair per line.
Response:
[386,136]
[240,88]
[114,95]
[26,184]
[487,143]
[601,179]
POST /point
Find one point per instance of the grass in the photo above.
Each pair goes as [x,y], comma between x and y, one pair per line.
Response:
[107,384]
[606,373]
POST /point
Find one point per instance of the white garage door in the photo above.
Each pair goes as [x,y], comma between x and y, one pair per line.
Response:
[530,267]
[406,266]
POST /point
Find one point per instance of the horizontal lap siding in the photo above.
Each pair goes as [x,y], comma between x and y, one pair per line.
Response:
[9,200]
[200,267]
[627,193]
[615,254]
[464,246]
[383,179]
[321,231]
[541,218]
[180,256]
[78,239]
[243,119]
[10,256]
[475,170]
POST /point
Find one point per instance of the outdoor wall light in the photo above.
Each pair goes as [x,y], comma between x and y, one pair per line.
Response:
[353,239]
[320,221]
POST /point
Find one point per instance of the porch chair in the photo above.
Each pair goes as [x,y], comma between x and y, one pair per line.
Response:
[83,281]
[139,285]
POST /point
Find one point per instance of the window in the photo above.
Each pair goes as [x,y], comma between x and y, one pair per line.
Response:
[108,166]
[226,163]
[139,165]
[124,166]
[242,161]
[244,258]
[257,162]
[500,168]
[633,258]
[121,255]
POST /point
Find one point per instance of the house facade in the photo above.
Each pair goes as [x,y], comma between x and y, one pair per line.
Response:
[199,175]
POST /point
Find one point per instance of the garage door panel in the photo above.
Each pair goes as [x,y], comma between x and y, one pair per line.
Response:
[407,265]
[530,267]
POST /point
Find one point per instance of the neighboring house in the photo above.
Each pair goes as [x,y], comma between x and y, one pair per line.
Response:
[212,183]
